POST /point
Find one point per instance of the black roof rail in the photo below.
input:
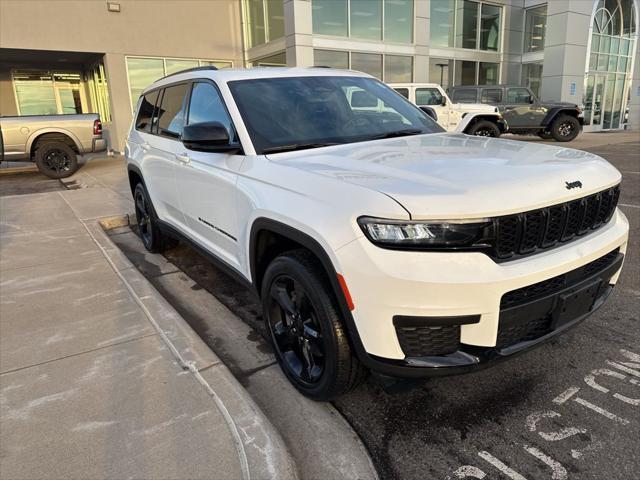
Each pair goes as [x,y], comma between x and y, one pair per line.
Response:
[320,66]
[194,69]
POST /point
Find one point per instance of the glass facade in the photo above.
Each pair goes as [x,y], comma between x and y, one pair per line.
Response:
[99,93]
[143,71]
[264,21]
[43,92]
[441,71]
[387,20]
[535,28]
[465,24]
[441,23]
[476,73]
[389,68]
[532,76]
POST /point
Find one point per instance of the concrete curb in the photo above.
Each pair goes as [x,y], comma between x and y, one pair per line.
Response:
[261,451]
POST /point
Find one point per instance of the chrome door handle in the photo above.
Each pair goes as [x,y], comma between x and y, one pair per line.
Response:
[184,158]
[146,147]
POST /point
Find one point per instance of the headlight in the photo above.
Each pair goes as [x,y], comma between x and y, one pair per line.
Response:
[424,234]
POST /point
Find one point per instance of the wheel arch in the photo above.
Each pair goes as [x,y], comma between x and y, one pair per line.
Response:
[470,119]
[135,177]
[54,134]
[554,112]
[266,226]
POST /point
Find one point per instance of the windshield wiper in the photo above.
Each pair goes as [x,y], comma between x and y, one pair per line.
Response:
[296,146]
[397,133]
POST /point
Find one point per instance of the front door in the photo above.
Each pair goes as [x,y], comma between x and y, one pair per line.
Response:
[593,102]
[521,110]
[207,181]
[431,97]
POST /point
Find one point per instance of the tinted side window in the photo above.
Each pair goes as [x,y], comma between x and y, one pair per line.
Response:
[464,95]
[403,91]
[518,95]
[145,112]
[206,105]
[428,96]
[491,95]
[171,111]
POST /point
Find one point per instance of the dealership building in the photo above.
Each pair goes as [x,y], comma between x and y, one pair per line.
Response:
[75,56]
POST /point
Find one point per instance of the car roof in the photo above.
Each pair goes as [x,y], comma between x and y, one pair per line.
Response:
[230,74]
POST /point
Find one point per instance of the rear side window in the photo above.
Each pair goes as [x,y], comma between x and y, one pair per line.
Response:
[403,91]
[464,95]
[145,112]
[518,95]
[428,96]
[171,111]
[491,95]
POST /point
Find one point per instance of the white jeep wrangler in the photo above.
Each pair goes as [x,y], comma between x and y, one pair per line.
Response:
[470,118]
[374,239]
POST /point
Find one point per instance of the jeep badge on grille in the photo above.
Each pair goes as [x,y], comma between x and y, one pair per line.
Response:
[576,184]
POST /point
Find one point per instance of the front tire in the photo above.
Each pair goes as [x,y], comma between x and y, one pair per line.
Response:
[545,135]
[152,238]
[56,160]
[565,128]
[484,128]
[308,336]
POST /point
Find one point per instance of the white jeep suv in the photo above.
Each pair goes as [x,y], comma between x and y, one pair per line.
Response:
[375,240]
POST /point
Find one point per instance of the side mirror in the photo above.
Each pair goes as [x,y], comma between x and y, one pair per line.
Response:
[531,99]
[208,137]
[444,101]
[430,111]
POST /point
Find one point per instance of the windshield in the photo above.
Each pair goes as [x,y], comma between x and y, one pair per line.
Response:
[293,113]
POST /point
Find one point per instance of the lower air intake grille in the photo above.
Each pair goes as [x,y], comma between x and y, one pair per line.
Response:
[426,341]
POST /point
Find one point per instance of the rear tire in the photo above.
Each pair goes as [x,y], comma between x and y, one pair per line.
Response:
[565,128]
[484,128]
[56,159]
[152,237]
[545,134]
[305,328]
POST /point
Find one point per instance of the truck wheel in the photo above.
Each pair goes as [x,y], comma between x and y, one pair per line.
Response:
[308,336]
[565,128]
[56,159]
[484,128]
[152,238]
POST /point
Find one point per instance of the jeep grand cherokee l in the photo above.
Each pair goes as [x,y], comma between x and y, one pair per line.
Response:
[374,239]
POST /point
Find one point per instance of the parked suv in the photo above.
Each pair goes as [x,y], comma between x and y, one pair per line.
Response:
[374,239]
[524,112]
[473,119]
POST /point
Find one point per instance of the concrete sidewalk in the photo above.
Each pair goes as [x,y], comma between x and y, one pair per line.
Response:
[99,376]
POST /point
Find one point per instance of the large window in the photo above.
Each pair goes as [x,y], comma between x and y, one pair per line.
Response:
[441,71]
[143,72]
[42,92]
[387,20]
[465,24]
[534,29]
[390,68]
[99,93]
[476,73]
[172,110]
[264,20]
[442,22]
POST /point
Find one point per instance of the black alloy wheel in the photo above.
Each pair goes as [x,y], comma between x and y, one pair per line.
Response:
[565,128]
[296,331]
[143,217]
[56,159]
[484,128]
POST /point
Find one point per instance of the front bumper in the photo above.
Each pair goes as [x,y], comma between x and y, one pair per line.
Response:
[385,284]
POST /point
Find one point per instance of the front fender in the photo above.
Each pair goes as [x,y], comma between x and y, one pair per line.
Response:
[552,114]
[470,118]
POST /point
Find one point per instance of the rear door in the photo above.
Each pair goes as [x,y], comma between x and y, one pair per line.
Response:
[163,150]
[432,97]
[207,182]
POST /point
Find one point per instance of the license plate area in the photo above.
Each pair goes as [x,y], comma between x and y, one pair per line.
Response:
[576,303]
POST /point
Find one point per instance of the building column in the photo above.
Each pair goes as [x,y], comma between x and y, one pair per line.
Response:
[421,36]
[298,31]
[565,50]
[119,98]
[512,45]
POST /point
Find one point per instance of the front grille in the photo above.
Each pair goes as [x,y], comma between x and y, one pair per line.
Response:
[543,228]
[426,341]
[540,289]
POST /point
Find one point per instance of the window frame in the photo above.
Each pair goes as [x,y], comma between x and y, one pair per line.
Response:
[479,4]
[506,96]
[496,88]
[428,104]
[186,98]
[382,55]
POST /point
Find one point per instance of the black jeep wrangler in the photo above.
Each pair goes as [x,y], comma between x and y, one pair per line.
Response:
[524,113]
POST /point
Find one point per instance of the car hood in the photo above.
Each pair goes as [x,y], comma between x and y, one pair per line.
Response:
[449,176]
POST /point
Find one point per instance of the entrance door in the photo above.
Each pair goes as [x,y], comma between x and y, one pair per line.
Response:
[594,101]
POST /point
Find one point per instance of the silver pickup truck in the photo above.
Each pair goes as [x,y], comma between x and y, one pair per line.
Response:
[53,142]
